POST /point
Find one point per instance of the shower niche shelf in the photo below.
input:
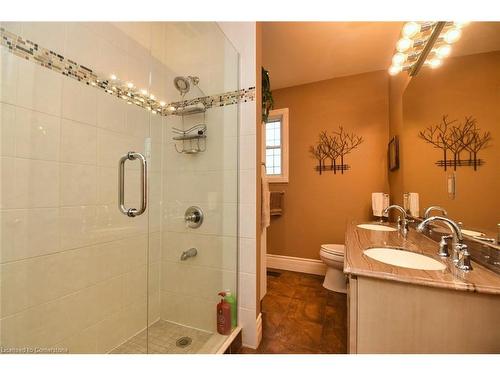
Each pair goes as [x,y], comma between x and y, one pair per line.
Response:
[190,141]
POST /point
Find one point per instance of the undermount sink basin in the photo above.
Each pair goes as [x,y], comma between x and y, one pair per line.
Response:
[381,228]
[404,258]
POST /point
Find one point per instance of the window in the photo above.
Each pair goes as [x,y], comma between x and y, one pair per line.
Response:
[276,146]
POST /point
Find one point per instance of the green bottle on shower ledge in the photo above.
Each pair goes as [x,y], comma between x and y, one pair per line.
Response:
[229,298]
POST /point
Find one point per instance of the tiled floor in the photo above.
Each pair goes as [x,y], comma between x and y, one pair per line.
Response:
[162,340]
[301,317]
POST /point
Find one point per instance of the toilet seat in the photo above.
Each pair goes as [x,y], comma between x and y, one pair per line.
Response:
[333,249]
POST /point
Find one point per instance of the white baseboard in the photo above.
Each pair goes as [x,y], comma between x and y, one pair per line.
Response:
[259,329]
[249,340]
[281,262]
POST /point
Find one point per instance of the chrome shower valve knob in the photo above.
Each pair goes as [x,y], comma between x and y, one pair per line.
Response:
[193,217]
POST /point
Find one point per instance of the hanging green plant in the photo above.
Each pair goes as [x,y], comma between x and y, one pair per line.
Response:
[267,96]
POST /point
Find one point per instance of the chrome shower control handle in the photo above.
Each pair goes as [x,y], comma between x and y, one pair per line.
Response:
[193,217]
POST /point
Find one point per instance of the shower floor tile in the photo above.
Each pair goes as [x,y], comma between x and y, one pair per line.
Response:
[162,337]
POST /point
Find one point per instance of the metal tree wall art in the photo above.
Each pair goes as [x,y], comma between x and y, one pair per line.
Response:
[455,139]
[333,148]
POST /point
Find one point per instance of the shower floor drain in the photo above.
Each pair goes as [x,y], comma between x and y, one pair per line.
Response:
[183,342]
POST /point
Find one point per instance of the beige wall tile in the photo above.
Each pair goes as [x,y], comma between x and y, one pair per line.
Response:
[213,251]
[8,77]
[29,232]
[39,88]
[49,35]
[83,342]
[78,184]
[31,183]
[79,102]
[78,226]
[197,313]
[29,134]
[81,44]
[111,112]
[78,142]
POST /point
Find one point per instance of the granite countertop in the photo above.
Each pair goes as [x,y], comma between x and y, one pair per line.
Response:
[480,279]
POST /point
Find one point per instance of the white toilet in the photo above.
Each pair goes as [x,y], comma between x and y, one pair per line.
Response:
[333,256]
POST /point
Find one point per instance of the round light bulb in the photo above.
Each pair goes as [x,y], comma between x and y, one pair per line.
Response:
[443,51]
[404,44]
[395,69]
[113,77]
[411,29]
[452,35]
[435,63]
[399,58]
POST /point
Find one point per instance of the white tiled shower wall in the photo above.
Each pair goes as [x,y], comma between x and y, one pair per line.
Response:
[73,269]
[243,37]
[207,180]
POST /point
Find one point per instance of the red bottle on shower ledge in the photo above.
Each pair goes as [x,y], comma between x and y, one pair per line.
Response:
[223,316]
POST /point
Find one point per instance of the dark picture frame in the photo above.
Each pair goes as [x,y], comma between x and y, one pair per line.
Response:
[393,154]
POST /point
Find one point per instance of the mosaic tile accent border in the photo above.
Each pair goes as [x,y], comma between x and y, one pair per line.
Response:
[49,59]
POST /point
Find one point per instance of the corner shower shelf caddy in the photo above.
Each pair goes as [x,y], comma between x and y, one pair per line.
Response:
[193,140]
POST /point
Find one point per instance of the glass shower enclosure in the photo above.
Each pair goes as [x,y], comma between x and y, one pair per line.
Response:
[118,201]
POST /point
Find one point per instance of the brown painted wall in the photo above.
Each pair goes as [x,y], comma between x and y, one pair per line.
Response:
[463,86]
[397,86]
[317,207]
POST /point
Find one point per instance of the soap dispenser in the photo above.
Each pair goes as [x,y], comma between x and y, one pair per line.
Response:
[223,316]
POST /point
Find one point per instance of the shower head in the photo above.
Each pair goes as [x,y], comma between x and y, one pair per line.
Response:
[183,84]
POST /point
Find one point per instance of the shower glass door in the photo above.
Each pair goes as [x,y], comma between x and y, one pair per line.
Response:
[73,267]
[97,254]
[191,264]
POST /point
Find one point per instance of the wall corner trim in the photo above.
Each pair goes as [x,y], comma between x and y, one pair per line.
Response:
[281,262]
[258,336]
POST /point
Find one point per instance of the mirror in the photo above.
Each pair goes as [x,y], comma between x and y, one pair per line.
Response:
[450,138]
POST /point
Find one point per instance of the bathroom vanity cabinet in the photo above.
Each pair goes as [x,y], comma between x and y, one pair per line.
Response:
[400,310]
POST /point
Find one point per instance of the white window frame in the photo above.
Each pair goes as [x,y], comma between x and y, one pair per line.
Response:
[282,115]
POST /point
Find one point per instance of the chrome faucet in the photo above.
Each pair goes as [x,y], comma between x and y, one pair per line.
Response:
[434,208]
[402,220]
[461,255]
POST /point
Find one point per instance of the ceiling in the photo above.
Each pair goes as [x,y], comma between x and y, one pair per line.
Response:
[301,52]
[296,53]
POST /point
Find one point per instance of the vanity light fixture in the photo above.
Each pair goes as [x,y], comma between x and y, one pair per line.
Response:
[424,43]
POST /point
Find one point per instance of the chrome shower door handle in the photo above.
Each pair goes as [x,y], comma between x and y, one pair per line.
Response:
[132,212]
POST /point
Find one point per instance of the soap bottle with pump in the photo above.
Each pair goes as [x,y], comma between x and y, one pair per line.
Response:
[229,298]
[223,316]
